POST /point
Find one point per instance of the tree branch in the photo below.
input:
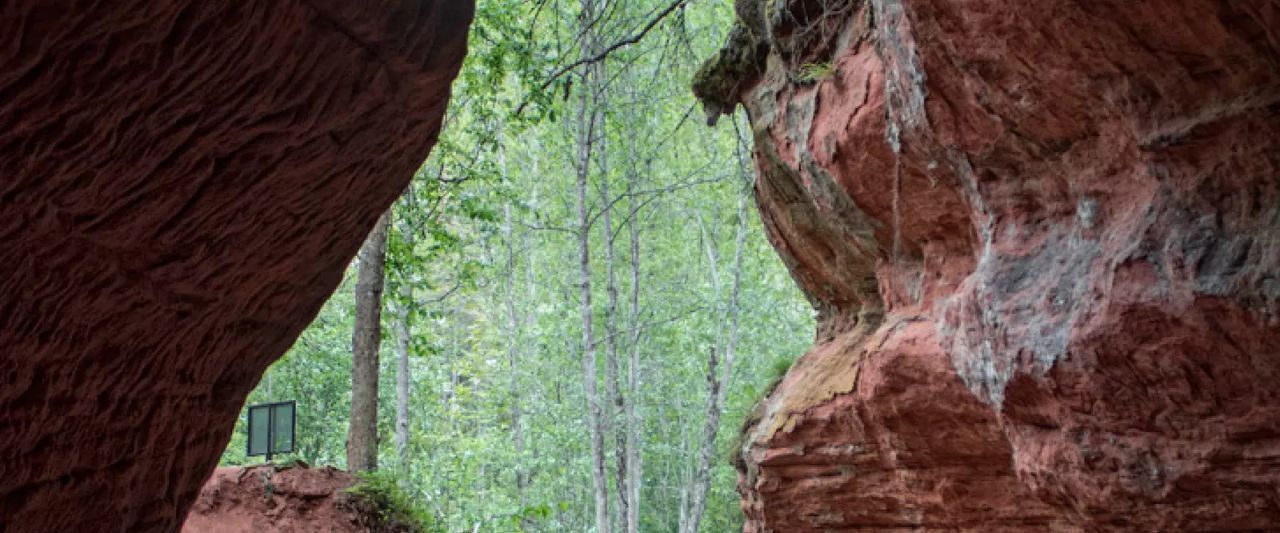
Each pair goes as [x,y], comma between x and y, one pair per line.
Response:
[630,40]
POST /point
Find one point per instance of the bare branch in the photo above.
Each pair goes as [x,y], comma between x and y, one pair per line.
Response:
[630,40]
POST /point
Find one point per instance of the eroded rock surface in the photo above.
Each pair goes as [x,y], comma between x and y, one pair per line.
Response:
[1043,239]
[181,185]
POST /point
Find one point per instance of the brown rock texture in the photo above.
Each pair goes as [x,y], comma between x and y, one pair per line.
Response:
[262,498]
[1043,240]
[181,186]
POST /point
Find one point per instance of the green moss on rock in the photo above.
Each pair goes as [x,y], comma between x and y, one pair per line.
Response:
[721,79]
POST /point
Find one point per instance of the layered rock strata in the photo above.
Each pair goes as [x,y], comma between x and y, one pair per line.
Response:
[1043,241]
[181,186]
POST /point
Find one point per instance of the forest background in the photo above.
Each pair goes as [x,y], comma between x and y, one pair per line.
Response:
[575,306]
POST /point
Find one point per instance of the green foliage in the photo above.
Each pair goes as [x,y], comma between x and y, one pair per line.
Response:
[498,181]
[779,368]
[815,72]
[747,418]
[383,507]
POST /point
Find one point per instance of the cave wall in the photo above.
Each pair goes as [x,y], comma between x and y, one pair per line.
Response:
[1043,242]
[181,186]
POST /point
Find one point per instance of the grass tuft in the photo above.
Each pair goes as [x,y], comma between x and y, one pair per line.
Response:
[383,507]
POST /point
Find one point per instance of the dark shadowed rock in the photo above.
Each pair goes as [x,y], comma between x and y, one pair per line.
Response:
[1044,242]
[181,185]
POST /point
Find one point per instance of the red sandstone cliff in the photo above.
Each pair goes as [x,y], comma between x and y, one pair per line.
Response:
[181,185]
[1044,242]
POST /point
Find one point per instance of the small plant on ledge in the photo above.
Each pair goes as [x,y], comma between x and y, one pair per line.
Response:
[814,72]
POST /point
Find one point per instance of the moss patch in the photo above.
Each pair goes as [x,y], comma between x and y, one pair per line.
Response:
[797,31]
[722,78]
[815,72]
[381,506]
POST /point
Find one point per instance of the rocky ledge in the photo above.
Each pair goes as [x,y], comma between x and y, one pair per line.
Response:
[1043,241]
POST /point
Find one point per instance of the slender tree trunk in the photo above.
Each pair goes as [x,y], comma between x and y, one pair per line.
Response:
[717,381]
[362,434]
[633,366]
[403,338]
[699,483]
[685,483]
[402,374]
[587,120]
[589,363]
[613,386]
[513,354]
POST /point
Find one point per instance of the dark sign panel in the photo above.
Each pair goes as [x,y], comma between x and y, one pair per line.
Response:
[271,428]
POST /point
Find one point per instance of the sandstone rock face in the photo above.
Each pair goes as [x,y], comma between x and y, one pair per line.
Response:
[181,185]
[1043,239]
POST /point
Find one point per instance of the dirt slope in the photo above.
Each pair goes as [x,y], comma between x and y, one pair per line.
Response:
[258,499]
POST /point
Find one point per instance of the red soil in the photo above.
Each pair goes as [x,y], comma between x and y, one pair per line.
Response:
[260,498]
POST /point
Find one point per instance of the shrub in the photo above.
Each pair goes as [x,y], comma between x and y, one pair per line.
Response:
[383,507]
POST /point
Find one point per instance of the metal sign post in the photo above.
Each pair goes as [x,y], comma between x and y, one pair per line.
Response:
[271,428]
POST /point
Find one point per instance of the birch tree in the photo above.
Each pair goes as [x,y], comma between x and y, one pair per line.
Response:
[717,378]
[613,386]
[403,338]
[588,120]
[513,338]
[632,419]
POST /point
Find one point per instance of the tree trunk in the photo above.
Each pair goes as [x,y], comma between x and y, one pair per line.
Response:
[613,388]
[634,441]
[686,481]
[362,434]
[402,374]
[513,353]
[717,381]
[587,120]
[403,338]
[701,481]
